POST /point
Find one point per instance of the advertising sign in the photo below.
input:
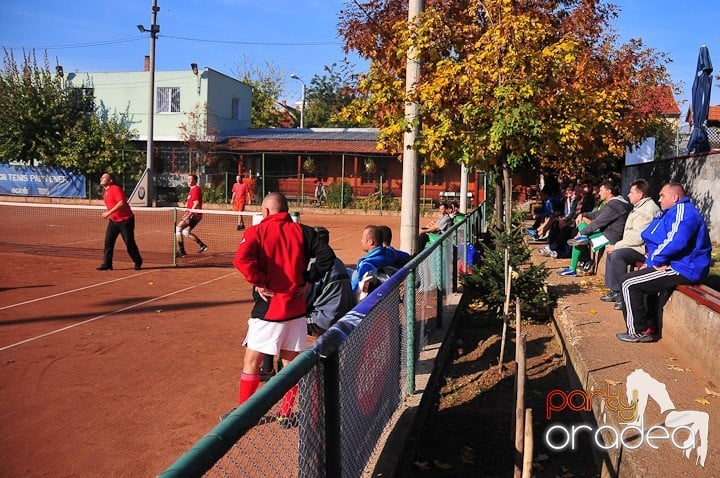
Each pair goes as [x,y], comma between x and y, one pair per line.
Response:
[40,181]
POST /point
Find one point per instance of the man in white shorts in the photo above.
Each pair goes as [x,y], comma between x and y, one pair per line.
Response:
[274,256]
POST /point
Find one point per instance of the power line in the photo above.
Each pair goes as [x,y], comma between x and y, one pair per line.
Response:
[204,40]
[201,40]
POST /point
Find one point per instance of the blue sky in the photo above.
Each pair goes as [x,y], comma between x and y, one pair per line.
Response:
[295,35]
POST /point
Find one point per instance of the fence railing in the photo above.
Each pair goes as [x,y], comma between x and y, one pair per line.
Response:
[352,380]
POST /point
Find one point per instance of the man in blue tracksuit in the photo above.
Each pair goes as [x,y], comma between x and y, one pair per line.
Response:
[678,252]
[377,256]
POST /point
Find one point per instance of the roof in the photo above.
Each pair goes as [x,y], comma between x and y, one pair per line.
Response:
[714,114]
[661,99]
[308,140]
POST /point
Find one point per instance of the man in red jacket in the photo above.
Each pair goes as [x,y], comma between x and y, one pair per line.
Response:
[121,221]
[274,256]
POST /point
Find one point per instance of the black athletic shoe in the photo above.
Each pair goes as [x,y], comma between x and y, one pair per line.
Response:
[138,266]
[104,267]
[203,248]
[180,254]
[266,375]
[611,296]
[619,304]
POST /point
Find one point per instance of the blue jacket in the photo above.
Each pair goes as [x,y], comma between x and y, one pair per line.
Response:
[679,238]
[375,259]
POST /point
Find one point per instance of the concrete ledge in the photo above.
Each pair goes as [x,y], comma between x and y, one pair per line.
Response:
[691,322]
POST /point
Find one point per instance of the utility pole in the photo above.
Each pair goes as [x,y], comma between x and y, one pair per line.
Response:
[144,193]
[410,214]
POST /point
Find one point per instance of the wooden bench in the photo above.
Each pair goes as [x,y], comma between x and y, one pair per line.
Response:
[691,325]
[702,294]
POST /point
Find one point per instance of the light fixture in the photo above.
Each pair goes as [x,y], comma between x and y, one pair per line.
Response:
[194,68]
[60,71]
[302,101]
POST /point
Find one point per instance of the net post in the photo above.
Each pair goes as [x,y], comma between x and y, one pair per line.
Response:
[174,236]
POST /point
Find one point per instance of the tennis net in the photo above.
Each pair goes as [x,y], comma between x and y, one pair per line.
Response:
[79,231]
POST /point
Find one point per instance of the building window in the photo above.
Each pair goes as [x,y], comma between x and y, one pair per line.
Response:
[83,99]
[168,100]
[236,109]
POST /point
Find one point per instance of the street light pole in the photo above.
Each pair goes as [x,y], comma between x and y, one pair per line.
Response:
[154,30]
[302,100]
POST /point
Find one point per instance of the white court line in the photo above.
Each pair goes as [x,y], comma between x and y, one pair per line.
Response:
[114,311]
[69,291]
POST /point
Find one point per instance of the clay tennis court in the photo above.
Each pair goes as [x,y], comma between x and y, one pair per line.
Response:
[117,373]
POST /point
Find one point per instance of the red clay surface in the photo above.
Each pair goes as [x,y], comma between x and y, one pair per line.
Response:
[118,373]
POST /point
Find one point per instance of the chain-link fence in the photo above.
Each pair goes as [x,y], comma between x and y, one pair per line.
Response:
[352,380]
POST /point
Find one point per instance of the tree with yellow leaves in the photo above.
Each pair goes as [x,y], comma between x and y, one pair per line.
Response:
[507,81]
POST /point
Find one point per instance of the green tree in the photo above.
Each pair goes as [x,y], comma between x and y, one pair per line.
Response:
[506,81]
[328,94]
[44,122]
[267,84]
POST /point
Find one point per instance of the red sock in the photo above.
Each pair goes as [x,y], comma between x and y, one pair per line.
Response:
[249,382]
[288,401]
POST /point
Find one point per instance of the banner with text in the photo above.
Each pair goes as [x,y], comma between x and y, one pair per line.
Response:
[40,181]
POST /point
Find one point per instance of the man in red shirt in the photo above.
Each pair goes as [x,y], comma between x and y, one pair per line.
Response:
[274,256]
[191,218]
[240,194]
[121,221]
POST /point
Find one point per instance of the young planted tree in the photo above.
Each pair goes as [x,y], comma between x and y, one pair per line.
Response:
[42,121]
[506,81]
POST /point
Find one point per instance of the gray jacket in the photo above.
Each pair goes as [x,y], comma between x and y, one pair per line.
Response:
[639,218]
[610,219]
[331,297]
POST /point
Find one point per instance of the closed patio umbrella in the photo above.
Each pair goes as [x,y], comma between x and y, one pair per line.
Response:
[698,142]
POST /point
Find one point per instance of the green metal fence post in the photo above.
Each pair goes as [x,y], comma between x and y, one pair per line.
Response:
[410,330]
[333,456]
[440,282]
[454,261]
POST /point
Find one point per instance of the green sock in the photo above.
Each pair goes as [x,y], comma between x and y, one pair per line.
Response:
[575,255]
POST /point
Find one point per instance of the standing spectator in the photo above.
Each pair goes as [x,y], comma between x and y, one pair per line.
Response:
[331,297]
[191,218]
[610,220]
[274,256]
[631,248]
[678,252]
[377,256]
[240,195]
[320,193]
[121,221]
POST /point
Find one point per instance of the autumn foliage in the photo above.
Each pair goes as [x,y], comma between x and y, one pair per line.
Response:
[505,81]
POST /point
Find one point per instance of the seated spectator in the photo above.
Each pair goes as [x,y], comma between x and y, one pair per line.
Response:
[678,252]
[377,256]
[561,229]
[439,226]
[631,248]
[610,220]
[401,257]
[331,297]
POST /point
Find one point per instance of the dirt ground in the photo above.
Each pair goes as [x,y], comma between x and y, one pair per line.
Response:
[467,434]
[117,373]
